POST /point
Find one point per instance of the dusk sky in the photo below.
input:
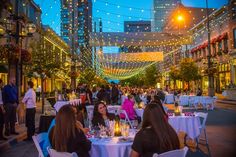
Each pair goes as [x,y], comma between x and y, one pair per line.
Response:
[114,12]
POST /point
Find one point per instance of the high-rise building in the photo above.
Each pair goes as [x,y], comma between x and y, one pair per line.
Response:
[161,9]
[76,24]
[137,26]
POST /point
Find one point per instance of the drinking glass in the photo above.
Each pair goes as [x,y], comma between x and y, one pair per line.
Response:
[135,123]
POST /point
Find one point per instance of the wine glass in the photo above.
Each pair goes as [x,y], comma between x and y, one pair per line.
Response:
[135,123]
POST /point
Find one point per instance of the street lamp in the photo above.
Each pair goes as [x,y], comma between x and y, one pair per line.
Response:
[211,90]
[180,18]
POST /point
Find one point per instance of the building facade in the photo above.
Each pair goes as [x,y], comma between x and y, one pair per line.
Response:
[50,57]
[222,41]
[135,26]
[28,13]
[44,47]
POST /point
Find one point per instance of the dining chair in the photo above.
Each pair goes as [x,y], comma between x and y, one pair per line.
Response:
[120,111]
[38,141]
[173,153]
[203,118]
[54,153]
[113,109]
[89,110]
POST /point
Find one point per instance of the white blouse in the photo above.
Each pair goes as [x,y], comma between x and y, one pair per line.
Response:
[30,98]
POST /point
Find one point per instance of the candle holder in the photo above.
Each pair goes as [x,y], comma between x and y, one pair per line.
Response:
[117,131]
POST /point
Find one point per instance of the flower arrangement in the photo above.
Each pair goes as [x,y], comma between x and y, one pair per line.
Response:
[12,53]
[25,56]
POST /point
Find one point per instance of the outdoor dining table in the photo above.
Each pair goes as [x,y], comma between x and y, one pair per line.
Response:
[110,147]
[188,124]
[59,104]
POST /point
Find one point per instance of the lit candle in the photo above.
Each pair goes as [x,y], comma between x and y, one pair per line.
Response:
[177,111]
[117,128]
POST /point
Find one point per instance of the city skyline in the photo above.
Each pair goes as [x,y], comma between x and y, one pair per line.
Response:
[114,14]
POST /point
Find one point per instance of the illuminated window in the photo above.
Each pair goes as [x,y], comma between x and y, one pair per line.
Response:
[234,31]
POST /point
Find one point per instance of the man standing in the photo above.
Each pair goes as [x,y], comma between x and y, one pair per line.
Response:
[38,91]
[10,102]
[30,101]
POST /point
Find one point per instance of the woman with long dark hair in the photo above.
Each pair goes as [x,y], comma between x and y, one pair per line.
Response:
[67,135]
[101,115]
[157,100]
[156,134]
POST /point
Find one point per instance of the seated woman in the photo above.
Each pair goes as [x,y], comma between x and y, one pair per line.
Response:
[156,134]
[68,135]
[128,106]
[101,115]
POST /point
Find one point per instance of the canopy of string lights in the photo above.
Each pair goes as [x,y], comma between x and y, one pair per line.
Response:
[124,65]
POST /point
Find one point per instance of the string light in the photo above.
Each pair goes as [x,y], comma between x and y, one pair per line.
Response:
[162,43]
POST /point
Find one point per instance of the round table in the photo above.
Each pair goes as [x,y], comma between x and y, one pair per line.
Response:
[110,147]
[59,104]
[188,124]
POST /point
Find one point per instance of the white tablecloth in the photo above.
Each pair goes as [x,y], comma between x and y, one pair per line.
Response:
[110,147]
[188,124]
[169,99]
[59,104]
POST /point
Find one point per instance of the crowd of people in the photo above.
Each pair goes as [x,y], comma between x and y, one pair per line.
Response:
[68,133]
[153,126]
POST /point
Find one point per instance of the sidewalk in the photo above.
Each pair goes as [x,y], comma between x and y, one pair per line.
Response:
[21,129]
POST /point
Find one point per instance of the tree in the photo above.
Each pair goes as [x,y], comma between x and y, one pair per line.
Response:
[188,71]
[87,76]
[137,80]
[151,75]
[174,74]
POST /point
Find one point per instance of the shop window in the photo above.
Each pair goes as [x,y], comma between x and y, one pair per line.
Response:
[214,49]
[220,46]
[234,37]
[225,41]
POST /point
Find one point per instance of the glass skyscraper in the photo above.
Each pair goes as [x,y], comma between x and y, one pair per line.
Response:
[76,26]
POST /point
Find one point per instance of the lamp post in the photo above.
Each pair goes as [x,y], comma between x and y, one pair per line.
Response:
[211,91]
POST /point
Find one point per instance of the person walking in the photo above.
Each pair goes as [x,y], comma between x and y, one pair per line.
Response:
[2,113]
[10,101]
[30,101]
